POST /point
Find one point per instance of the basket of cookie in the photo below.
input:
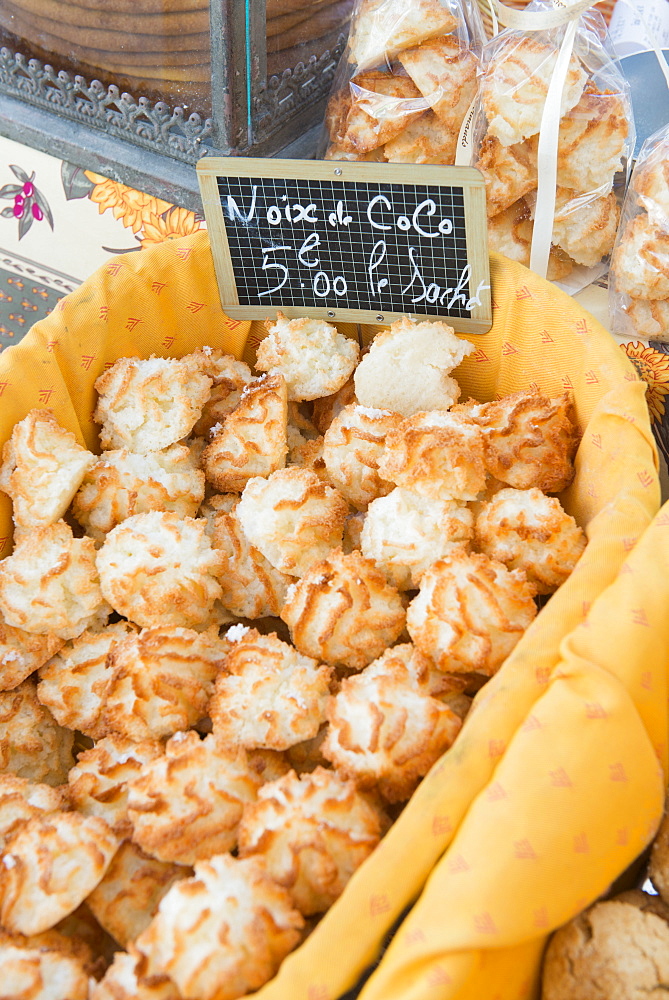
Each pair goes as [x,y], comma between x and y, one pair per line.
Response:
[314,657]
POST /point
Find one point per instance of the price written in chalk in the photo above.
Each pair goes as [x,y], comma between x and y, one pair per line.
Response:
[279,259]
[353,248]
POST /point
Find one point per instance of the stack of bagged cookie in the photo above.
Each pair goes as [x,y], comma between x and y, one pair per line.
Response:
[594,140]
[259,614]
[639,282]
[414,68]
[414,79]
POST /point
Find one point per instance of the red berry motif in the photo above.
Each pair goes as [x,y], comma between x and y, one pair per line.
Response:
[28,189]
[37,212]
[18,208]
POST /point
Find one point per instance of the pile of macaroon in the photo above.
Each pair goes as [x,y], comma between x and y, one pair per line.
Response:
[235,641]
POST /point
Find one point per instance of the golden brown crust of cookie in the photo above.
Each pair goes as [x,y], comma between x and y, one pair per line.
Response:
[343,611]
[186,805]
[383,28]
[162,681]
[126,899]
[385,728]
[252,440]
[529,439]
[437,454]
[160,569]
[98,783]
[470,612]
[22,653]
[242,921]
[313,832]
[352,446]
[74,683]
[526,530]
[150,405]
[50,584]
[374,109]
[444,71]
[32,744]
[251,586]
[42,467]
[49,867]
[269,696]
[293,518]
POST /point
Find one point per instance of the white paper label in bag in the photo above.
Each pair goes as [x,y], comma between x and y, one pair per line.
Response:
[628,28]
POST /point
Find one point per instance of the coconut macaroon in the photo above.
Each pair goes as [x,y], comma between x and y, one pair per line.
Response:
[509,172]
[186,805]
[123,483]
[524,529]
[373,109]
[444,71]
[326,409]
[650,182]
[149,405]
[42,468]
[251,586]
[293,518]
[650,318]
[313,357]
[312,832]
[427,140]
[40,974]
[510,233]
[421,354]
[529,440]
[640,262]
[405,532]
[352,446]
[591,141]
[159,569]
[252,440]
[385,729]
[230,379]
[382,28]
[470,612]
[515,85]
[49,867]
[98,783]
[270,695]
[585,227]
[126,899]
[163,679]
[32,744]
[21,800]
[436,454]
[74,683]
[222,933]
[50,584]
[21,653]
[343,611]
[124,980]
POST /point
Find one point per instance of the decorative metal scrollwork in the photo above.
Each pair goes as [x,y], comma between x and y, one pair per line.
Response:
[155,125]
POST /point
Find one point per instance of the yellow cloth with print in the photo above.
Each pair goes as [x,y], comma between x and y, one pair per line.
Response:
[556,782]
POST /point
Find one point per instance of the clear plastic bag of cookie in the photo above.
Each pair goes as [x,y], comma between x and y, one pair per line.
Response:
[586,137]
[405,82]
[639,278]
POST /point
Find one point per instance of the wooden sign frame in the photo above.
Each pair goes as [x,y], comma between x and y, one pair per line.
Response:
[475,283]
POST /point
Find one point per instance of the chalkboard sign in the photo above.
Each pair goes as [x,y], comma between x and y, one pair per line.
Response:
[357,242]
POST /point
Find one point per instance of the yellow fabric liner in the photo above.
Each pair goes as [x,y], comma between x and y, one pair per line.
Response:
[556,782]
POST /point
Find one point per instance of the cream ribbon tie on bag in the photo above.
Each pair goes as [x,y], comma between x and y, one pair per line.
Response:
[562,13]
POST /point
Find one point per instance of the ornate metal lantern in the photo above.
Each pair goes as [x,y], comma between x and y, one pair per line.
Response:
[223,77]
